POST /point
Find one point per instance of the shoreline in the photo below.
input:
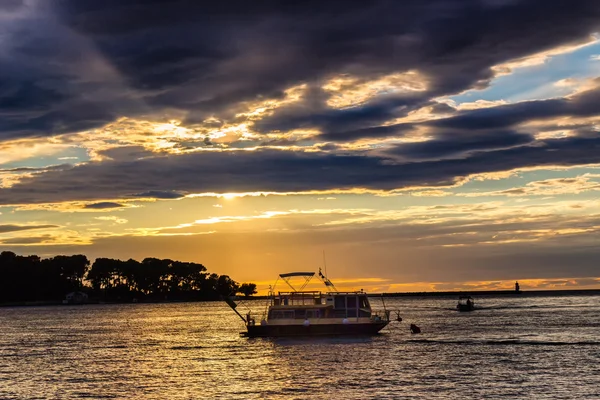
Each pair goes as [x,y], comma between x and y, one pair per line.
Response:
[43,303]
[484,293]
[451,293]
[524,293]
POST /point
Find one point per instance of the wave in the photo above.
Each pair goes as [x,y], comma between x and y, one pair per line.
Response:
[187,347]
[509,307]
[506,342]
[520,307]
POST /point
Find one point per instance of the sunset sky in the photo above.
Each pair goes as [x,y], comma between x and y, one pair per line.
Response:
[422,145]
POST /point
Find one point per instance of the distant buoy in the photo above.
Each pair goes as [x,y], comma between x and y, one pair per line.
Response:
[345,321]
[306,322]
[414,329]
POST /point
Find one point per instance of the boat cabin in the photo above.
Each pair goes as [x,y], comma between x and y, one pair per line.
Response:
[314,304]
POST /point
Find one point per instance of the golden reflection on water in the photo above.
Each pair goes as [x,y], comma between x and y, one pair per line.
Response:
[512,347]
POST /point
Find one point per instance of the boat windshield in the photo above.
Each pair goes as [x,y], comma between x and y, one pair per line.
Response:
[297,298]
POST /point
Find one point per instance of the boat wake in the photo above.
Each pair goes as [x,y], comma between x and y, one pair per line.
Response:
[187,347]
[521,307]
[505,342]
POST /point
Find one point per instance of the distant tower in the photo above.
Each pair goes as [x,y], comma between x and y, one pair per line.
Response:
[517,287]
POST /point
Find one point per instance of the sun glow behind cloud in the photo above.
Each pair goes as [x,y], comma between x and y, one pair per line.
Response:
[349,91]
[542,57]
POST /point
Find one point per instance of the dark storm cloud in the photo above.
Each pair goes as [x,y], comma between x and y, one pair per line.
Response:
[373,132]
[503,116]
[27,240]
[160,194]
[17,170]
[454,52]
[53,81]
[71,65]
[126,153]
[442,108]
[103,205]
[478,121]
[284,171]
[333,122]
[10,5]
[581,105]
[450,144]
[17,228]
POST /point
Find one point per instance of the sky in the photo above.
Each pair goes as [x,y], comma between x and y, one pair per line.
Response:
[419,145]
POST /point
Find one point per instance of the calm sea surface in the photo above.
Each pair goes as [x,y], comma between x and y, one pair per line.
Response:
[511,347]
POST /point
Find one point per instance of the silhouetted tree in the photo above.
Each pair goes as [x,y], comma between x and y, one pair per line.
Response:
[27,278]
[226,286]
[247,289]
[104,273]
[72,269]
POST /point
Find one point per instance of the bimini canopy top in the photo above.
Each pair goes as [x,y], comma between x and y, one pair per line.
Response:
[291,274]
[306,275]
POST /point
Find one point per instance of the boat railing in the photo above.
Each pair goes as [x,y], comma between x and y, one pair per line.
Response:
[306,297]
[297,298]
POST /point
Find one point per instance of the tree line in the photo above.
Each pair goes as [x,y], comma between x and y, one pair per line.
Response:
[31,278]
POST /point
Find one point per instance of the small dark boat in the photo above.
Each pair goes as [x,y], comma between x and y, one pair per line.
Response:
[465,303]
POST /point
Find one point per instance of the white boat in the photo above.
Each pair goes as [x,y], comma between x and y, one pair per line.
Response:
[314,313]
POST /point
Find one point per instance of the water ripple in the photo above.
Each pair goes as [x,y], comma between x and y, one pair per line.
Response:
[543,348]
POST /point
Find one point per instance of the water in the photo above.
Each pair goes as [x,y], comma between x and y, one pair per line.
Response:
[510,347]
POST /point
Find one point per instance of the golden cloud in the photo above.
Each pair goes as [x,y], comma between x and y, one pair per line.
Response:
[349,91]
[548,187]
[543,56]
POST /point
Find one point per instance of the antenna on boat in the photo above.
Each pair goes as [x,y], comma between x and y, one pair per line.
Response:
[324,278]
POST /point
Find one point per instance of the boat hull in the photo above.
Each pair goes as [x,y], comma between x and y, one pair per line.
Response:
[315,330]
